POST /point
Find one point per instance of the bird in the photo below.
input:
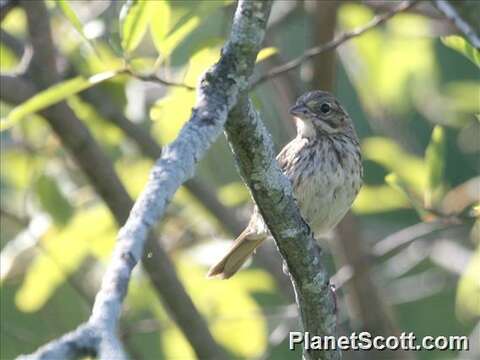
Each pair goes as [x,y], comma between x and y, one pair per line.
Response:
[324,165]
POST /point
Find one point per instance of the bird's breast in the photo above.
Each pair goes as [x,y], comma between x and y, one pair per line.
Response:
[326,180]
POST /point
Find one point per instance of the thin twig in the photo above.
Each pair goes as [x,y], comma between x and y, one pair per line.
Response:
[156,79]
[317,50]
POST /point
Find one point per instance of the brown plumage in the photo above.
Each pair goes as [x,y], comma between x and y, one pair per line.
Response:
[324,166]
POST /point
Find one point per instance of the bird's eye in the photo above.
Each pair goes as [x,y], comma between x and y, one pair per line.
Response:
[325,108]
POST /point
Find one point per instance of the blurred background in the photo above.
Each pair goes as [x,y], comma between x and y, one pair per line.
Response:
[406,258]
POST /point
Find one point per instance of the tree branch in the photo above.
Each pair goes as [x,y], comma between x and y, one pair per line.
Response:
[90,157]
[151,149]
[465,15]
[158,80]
[253,151]
[158,266]
[217,95]
[265,257]
[317,50]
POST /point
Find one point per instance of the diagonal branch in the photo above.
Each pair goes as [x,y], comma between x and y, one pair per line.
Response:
[152,149]
[216,96]
[331,45]
[218,93]
[226,216]
[253,149]
[99,170]
[465,15]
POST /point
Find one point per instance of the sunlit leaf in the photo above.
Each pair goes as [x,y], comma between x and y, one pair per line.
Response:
[64,5]
[476,211]
[160,24]
[461,45]
[52,200]
[463,96]
[200,62]
[8,59]
[435,161]
[378,199]
[229,307]
[21,167]
[175,27]
[45,275]
[61,252]
[171,112]
[134,19]
[351,16]
[53,95]
[408,167]
[393,59]
[166,44]
[265,53]
[101,128]
[233,194]
[139,64]
[396,183]
[15,21]
[468,290]
[107,60]
[141,169]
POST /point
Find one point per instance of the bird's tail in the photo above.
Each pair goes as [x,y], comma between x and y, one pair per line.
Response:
[241,249]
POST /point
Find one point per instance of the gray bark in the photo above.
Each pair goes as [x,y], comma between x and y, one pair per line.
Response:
[217,94]
[253,150]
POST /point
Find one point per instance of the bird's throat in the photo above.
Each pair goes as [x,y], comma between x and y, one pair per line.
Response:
[305,128]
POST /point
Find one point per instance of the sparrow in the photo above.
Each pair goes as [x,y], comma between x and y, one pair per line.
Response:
[323,164]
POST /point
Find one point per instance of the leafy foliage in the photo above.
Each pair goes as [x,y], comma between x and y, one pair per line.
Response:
[53,95]
[459,44]
[414,102]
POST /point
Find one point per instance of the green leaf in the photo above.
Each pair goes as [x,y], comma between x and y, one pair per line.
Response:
[461,45]
[90,232]
[211,298]
[380,50]
[468,290]
[378,199]
[396,183]
[233,194]
[160,24]
[410,168]
[265,53]
[8,59]
[64,6]
[71,16]
[53,95]
[463,96]
[434,158]
[134,20]
[52,200]
[168,31]
[166,45]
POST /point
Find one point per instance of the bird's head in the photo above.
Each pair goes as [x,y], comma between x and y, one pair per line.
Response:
[319,112]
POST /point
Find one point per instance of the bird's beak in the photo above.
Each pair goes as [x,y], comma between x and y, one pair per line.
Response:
[297,110]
